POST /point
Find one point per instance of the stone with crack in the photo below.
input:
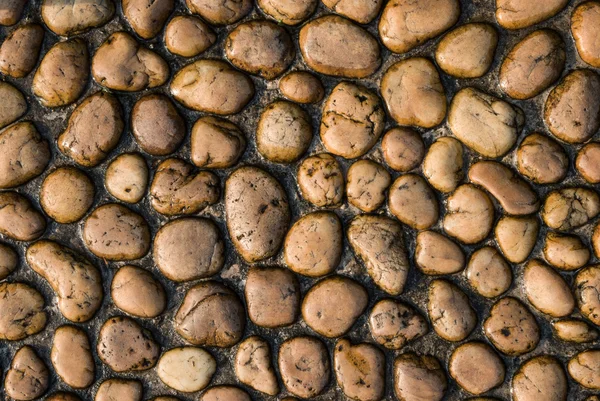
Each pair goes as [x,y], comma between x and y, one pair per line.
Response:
[20,50]
[517,14]
[222,12]
[516,236]
[367,183]
[451,314]
[70,17]
[186,369]
[436,254]
[19,219]
[253,365]
[542,159]
[587,291]
[419,378]
[511,327]
[541,377]
[22,311]
[147,17]
[412,201]
[443,164]
[568,208]
[289,12]
[394,324]
[28,376]
[321,180]
[359,370]
[304,366]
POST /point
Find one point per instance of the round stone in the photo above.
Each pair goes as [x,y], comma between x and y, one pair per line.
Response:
[419,378]
[576,331]
[542,159]
[588,162]
[359,370]
[362,12]
[216,143]
[20,50]
[253,365]
[300,87]
[585,27]
[413,202]
[28,376]
[127,177]
[14,104]
[584,368]
[394,324]
[367,184]
[71,357]
[188,36]
[568,208]
[224,13]
[66,194]
[65,18]
[321,180]
[19,219]
[186,369]
[516,236]
[23,311]
[542,377]
[565,252]
[289,12]
[403,149]
[488,272]
[469,214]
[546,290]
[511,327]
[443,164]
[476,367]
[136,291]
[229,393]
[304,366]
[436,254]
[147,17]
[119,389]
[516,14]
[450,312]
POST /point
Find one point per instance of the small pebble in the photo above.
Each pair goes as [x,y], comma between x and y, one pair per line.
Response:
[119,389]
[23,311]
[488,272]
[576,331]
[450,312]
[587,287]
[511,327]
[71,357]
[565,252]
[66,18]
[28,376]
[321,180]
[366,186]
[300,87]
[289,12]
[443,164]
[476,367]
[542,159]
[147,17]
[224,13]
[469,214]
[19,219]
[136,291]
[304,366]
[216,143]
[568,208]
[188,36]
[516,14]
[127,177]
[403,149]
[516,236]
[253,365]
[186,369]
[436,254]
[413,202]
[546,290]
[584,368]
[587,162]
[585,27]
[394,324]
[20,50]
[359,370]
[419,378]
[67,194]
[540,378]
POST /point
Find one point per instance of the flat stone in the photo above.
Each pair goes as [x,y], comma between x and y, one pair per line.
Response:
[71,357]
[476,367]
[359,370]
[511,327]
[517,14]
[20,50]
[488,272]
[569,208]
[443,164]
[304,366]
[546,290]
[584,368]
[66,17]
[300,87]
[186,369]
[137,292]
[23,311]
[587,283]
[419,378]
[366,186]
[516,236]
[542,159]
[587,162]
[542,377]
[253,365]
[188,36]
[450,312]
[289,12]
[321,180]
[576,331]
[147,17]
[413,202]
[66,194]
[119,389]
[216,143]
[224,13]
[436,254]
[585,23]
[394,324]
[565,252]
[28,376]
[8,260]
[469,214]
[127,177]
[403,149]
[19,219]
[14,104]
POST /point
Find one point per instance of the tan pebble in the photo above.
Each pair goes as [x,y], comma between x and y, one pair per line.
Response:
[585,369]
[136,291]
[484,123]
[585,23]
[253,365]
[63,396]
[216,143]
[565,252]
[413,93]
[224,13]
[67,194]
[576,331]
[94,129]
[596,240]
[516,14]
[229,393]
[28,376]
[25,154]
[542,159]
[394,324]
[156,125]
[313,245]
[119,389]
[211,314]
[435,254]
[66,17]
[178,189]
[511,327]
[379,243]
[301,87]
[186,369]
[115,232]
[512,192]
[443,164]
[467,51]
[353,118]
[367,183]
[284,132]
[359,370]
[588,162]
[304,366]
[488,272]
[403,149]
[76,282]
[72,358]
[450,312]
[19,219]
[8,260]
[476,367]
[333,45]
[228,89]
[321,180]
[22,311]
[419,378]
[188,36]
[258,221]
[260,47]
[469,214]
[405,25]
[546,290]
[517,236]
[127,177]
[63,73]
[272,296]
[289,12]
[362,12]
[587,287]
[413,202]
[540,378]
[147,17]
[20,50]
[14,104]
[11,11]
[571,112]
[188,249]
[534,64]
[569,208]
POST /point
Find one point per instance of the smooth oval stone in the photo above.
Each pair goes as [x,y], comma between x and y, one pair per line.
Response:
[469,214]
[403,149]
[8,260]
[223,13]
[304,366]
[576,331]
[572,112]
[25,154]
[119,389]
[419,378]
[588,162]
[22,311]
[534,64]
[488,272]
[359,370]
[451,314]
[542,377]
[587,283]
[565,252]
[28,376]
[289,12]
[19,219]
[443,164]
[546,290]
[476,367]
[361,12]
[13,105]
[379,242]
[126,177]
[67,194]
[147,17]
[301,87]
[186,369]
[585,368]
[253,365]
[72,358]
[11,11]
[569,208]
[212,86]
[585,27]
[436,254]
[76,282]
[69,17]
[413,202]
[335,46]
[394,324]
[216,143]
[517,236]
[258,220]
[188,36]
[20,50]
[136,291]
[516,14]
[542,159]
[511,327]
[485,123]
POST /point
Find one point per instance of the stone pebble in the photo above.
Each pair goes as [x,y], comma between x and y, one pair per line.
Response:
[304,366]
[419,378]
[119,389]
[451,314]
[412,201]
[394,324]
[587,285]
[186,369]
[403,149]
[11,11]
[230,393]
[443,164]
[516,236]
[359,370]
[126,177]
[300,87]
[23,311]
[469,214]
[147,17]
[20,50]
[253,365]
[546,290]
[71,357]
[66,18]
[488,272]
[366,185]
[436,254]
[565,252]
[188,36]
[361,12]
[517,14]
[568,208]
[540,377]
[137,292]
[14,104]
[8,260]
[321,180]
[216,143]
[19,219]
[225,13]
[289,12]
[588,161]
[573,330]
[511,327]
[28,377]
[476,367]
[66,194]
[542,159]
[585,27]
[584,368]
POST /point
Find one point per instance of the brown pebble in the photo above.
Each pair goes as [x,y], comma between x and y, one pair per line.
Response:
[22,311]
[272,296]
[588,162]
[136,291]
[511,327]
[63,396]
[476,367]
[127,177]
[587,287]
[289,12]
[71,357]
[467,51]
[585,27]
[63,73]
[66,17]
[28,376]
[394,324]
[119,389]
[20,50]
[253,365]
[353,118]
[147,17]
[450,312]
[14,104]
[540,378]
[115,232]
[229,393]
[546,290]
[67,194]
[517,236]
[94,129]
[435,254]
[571,112]
[178,189]
[596,240]
[367,183]
[186,369]
[413,93]
[321,180]
[156,125]
[301,87]
[188,36]
[216,143]
[11,11]
[443,164]
[8,260]
[359,370]
[211,315]
[576,331]
[516,14]
[19,219]
[568,208]
[224,13]
[284,132]
[413,202]
[403,149]
[565,252]
[488,272]
[542,159]
[304,366]
[469,214]
[419,378]
[362,12]
[25,154]
[313,245]
[584,368]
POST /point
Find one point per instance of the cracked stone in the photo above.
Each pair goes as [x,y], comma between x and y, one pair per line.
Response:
[394,324]
[304,366]
[542,377]
[19,219]
[20,50]
[413,202]
[359,370]
[488,272]
[367,183]
[419,378]
[321,180]
[22,311]
[511,327]
[70,17]
[542,159]
[253,365]
[451,314]
[28,376]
